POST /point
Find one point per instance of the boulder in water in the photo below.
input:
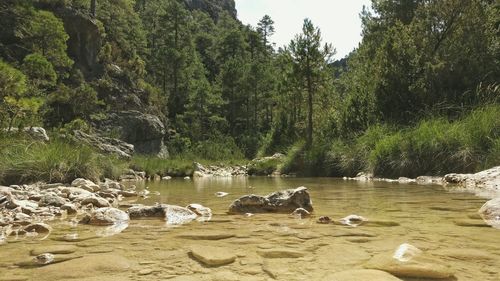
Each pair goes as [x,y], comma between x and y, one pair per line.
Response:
[285,201]
[490,212]
[106,216]
[409,261]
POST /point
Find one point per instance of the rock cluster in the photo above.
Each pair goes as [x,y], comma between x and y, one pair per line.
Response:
[25,209]
[201,171]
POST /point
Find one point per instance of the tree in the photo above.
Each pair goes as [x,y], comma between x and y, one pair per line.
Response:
[15,101]
[265,27]
[310,63]
[39,70]
[44,34]
[93,8]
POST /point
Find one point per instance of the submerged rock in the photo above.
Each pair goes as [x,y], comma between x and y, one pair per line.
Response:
[361,275]
[352,220]
[301,213]
[280,253]
[324,220]
[409,261]
[490,212]
[38,228]
[285,201]
[212,256]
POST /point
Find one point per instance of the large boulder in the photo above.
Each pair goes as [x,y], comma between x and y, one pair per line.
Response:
[145,131]
[51,199]
[285,201]
[106,216]
[173,215]
[105,145]
[490,212]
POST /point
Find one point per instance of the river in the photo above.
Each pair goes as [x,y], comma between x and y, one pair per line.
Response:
[443,224]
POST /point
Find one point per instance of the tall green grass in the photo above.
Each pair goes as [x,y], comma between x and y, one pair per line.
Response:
[438,146]
[26,161]
[435,146]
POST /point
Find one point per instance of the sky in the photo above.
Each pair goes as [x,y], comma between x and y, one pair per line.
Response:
[338,19]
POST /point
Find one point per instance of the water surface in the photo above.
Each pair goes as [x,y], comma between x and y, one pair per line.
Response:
[428,217]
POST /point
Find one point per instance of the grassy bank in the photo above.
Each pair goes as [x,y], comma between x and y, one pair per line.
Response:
[25,160]
[435,146]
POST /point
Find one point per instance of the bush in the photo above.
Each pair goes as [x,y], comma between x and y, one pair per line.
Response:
[163,167]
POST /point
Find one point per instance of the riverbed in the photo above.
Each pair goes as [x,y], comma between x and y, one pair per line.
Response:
[442,223]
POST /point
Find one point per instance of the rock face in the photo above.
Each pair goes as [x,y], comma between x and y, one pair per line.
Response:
[490,212]
[487,179]
[84,42]
[145,131]
[285,201]
[105,145]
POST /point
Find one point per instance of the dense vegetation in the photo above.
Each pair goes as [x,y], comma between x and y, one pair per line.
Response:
[420,95]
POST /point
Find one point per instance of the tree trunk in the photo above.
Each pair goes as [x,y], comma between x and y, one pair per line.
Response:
[92,8]
[309,113]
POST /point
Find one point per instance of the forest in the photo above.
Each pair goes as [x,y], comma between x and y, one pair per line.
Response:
[419,95]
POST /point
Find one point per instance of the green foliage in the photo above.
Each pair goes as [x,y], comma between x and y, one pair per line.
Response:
[44,34]
[16,103]
[39,70]
[293,158]
[437,146]
[66,104]
[263,167]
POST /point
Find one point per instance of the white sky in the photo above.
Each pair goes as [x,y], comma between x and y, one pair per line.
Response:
[338,19]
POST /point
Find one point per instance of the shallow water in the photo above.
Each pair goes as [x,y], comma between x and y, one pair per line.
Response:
[427,217]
